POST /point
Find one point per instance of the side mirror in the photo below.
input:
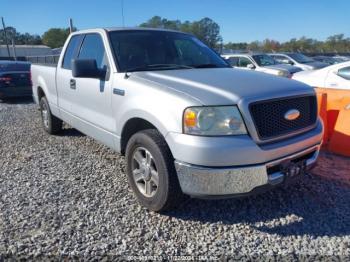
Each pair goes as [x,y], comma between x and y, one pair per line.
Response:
[287,61]
[86,68]
[251,66]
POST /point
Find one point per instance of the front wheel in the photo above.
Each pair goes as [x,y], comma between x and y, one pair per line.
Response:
[51,124]
[151,172]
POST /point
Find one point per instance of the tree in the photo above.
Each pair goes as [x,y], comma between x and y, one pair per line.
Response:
[254,46]
[205,29]
[55,37]
[236,46]
[19,38]
[269,45]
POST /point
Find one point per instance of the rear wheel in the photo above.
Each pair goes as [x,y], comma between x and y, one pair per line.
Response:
[151,171]
[51,124]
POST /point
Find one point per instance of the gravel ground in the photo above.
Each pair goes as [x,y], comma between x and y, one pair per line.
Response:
[68,196]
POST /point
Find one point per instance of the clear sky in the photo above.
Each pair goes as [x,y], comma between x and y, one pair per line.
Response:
[239,20]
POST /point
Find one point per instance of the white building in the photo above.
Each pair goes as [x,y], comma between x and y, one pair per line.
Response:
[26,50]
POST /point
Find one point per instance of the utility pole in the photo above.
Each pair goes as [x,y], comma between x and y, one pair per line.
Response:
[71,29]
[5,34]
[14,49]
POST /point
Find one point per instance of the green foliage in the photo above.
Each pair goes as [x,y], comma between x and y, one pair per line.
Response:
[19,39]
[205,29]
[333,44]
[55,37]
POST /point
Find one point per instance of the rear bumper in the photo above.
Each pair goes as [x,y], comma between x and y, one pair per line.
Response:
[8,92]
[221,182]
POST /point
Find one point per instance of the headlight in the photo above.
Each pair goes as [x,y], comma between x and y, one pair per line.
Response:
[283,73]
[213,121]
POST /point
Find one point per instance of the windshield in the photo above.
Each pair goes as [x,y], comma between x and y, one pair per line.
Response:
[300,58]
[264,60]
[143,50]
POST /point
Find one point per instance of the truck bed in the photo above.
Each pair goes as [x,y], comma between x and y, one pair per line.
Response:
[44,77]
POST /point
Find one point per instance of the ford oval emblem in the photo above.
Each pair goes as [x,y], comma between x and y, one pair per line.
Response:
[292,114]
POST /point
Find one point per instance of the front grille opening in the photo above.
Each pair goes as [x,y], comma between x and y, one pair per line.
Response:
[304,157]
[269,116]
[273,169]
[278,168]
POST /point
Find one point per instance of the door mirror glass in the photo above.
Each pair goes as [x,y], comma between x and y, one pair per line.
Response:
[86,68]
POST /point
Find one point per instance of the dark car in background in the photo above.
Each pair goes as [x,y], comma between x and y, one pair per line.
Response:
[15,79]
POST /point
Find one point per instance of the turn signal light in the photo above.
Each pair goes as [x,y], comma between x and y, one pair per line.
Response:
[190,118]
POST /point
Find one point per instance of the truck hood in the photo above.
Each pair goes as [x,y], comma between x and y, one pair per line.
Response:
[291,69]
[223,86]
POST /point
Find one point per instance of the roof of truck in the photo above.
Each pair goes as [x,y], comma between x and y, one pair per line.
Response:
[110,29]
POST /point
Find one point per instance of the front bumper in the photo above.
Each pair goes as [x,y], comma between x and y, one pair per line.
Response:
[204,182]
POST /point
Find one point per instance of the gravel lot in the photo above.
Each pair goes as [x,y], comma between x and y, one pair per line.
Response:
[67,195]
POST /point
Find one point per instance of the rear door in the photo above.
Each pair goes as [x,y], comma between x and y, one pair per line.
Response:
[91,102]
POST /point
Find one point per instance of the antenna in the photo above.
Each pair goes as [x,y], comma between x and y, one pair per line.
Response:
[14,50]
[122,2]
[5,34]
[71,29]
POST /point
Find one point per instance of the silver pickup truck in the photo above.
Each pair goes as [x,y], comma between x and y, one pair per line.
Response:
[187,122]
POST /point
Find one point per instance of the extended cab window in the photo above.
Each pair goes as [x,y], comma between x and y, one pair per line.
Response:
[70,51]
[93,48]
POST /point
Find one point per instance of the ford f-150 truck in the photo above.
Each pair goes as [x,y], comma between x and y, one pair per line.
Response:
[187,123]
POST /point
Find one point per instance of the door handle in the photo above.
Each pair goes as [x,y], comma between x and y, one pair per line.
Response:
[72,84]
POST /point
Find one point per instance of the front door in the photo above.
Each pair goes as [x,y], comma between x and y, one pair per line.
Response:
[92,99]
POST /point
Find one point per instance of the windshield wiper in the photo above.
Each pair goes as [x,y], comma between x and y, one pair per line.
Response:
[156,67]
[206,66]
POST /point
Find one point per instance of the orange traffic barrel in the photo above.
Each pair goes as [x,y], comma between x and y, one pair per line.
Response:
[340,140]
[337,100]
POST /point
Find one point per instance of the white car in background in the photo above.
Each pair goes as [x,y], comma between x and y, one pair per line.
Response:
[299,60]
[335,76]
[262,63]
[341,58]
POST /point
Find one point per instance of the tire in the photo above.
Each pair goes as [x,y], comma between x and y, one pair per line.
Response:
[167,194]
[50,123]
